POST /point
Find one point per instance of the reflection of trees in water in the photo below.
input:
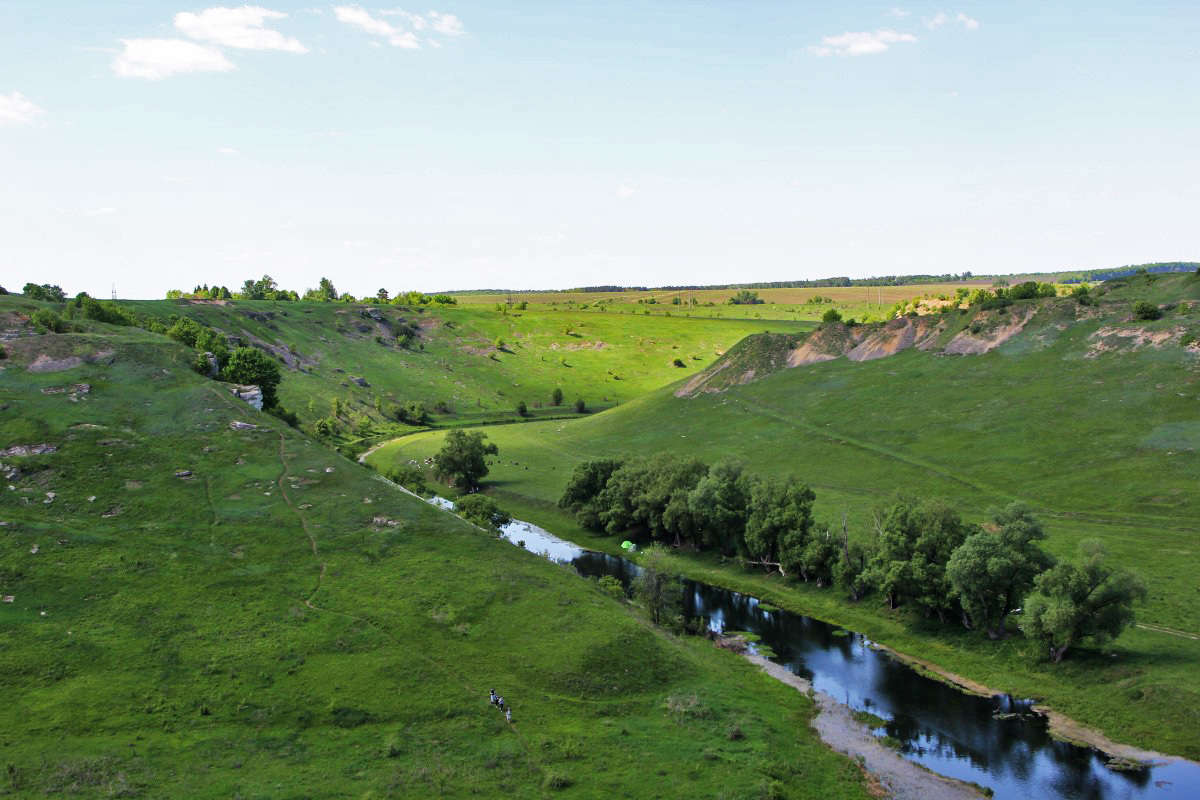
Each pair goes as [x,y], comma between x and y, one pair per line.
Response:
[933,720]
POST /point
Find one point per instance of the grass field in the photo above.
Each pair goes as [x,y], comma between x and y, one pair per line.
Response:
[860,302]
[602,358]
[1102,442]
[277,623]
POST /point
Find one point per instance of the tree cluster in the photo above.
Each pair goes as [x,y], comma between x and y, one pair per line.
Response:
[745,298]
[921,552]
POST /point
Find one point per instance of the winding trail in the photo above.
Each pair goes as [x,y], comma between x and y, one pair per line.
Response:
[901,778]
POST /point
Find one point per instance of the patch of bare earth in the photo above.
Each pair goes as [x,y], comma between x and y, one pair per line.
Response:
[825,344]
[1108,339]
[900,778]
[698,381]
[974,344]
[898,334]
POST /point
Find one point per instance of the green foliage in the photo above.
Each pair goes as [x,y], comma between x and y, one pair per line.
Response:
[89,308]
[522,409]
[249,365]
[462,461]
[185,331]
[46,321]
[1086,599]
[914,541]
[582,492]
[831,315]
[651,494]
[657,586]
[45,292]
[778,522]
[678,362]
[412,413]
[409,476]
[481,510]
[611,587]
[992,572]
[556,397]
[580,405]
[444,299]
[718,507]
[745,298]
[1144,310]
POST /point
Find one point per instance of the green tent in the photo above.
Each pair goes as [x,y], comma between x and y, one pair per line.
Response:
[628,545]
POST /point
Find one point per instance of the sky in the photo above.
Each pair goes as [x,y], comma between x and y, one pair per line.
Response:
[154,145]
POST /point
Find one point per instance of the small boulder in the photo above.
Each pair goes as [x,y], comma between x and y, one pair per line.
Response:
[183,473]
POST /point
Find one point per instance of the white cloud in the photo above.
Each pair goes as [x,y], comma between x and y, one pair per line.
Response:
[899,13]
[176,178]
[937,20]
[967,22]
[358,17]
[227,151]
[399,35]
[242,28]
[625,190]
[16,109]
[102,211]
[155,59]
[446,24]
[860,44]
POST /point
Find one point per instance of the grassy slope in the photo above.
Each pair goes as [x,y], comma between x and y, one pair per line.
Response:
[178,655]
[1104,447]
[605,360]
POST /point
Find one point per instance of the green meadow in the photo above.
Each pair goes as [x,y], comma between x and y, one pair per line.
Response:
[465,364]
[204,610]
[1082,415]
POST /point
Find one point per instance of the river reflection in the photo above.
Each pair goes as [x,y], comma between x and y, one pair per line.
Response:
[949,731]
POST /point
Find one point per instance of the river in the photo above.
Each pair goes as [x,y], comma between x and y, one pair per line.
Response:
[997,742]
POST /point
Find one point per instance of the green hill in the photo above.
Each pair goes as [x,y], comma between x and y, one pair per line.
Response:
[449,359]
[1084,412]
[208,609]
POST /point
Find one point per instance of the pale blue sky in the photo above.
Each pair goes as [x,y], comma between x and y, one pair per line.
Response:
[558,144]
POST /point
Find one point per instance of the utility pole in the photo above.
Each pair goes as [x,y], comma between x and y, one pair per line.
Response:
[114,291]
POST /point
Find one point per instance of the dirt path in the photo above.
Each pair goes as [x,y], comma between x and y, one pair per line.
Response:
[899,777]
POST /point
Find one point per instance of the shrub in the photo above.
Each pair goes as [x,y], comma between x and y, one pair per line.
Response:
[677,362]
[482,510]
[556,397]
[248,365]
[522,409]
[831,315]
[46,321]
[1146,311]
[580,406]
[745,298]
[412,413]
[410,477]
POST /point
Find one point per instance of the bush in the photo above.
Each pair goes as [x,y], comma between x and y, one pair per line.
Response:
[46,321]
[580,406]
[44,291]
[248,365]
[410,477]
[556,397]
[831,315]
[522,409]
[677,362]
[745,298]
[482,510]
[412,413]
[1146,311]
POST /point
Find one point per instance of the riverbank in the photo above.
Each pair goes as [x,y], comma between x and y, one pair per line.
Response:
[897,776]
